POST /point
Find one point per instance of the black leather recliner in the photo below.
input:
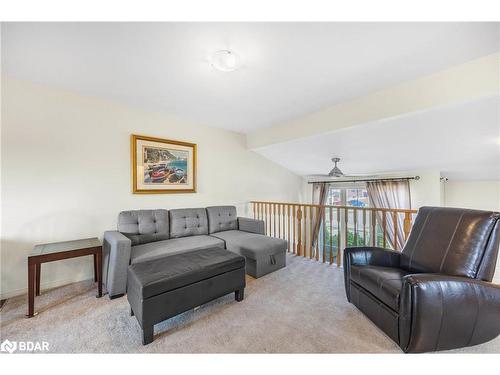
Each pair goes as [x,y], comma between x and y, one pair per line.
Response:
[437,293]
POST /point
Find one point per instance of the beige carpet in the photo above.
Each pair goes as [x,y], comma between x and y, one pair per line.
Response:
[299,309]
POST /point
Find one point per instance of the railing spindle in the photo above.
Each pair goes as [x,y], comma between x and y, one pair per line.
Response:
[395,219]
[407,225]
[338,237]
[355,214]
[374,228]
[283,222]
[269,212]
[273,220]
[299,231]
[384,228]
[324,235]
[288,226]
[279,220]
[346,217]
[294,224]
[331,235]
[364,227]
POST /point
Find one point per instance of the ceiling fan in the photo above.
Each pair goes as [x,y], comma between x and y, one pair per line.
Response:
[337,173]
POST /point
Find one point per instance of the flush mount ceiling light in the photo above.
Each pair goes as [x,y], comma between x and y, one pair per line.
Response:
[225,60]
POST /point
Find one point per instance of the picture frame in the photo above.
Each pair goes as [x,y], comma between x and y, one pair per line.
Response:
[162,166]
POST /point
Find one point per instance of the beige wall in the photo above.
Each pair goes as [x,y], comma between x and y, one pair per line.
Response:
[427,190]
[483,195]
[66,174]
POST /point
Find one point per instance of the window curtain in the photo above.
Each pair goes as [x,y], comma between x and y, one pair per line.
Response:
[390,194]
[320,195]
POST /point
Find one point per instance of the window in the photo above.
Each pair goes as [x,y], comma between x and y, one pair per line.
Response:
[348,196]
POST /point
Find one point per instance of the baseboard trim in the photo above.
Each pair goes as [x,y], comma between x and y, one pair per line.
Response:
[46,285]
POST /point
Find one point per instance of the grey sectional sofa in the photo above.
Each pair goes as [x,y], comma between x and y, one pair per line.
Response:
[145,235]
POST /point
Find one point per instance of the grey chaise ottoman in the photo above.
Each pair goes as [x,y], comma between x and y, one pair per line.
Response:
[263,254]
[162,288]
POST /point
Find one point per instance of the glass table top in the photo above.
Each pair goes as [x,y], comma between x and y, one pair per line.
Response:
[58,247]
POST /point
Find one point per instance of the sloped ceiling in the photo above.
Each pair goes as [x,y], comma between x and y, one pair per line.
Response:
[462,141]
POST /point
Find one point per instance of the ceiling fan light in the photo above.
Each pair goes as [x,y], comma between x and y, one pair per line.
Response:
[225,60]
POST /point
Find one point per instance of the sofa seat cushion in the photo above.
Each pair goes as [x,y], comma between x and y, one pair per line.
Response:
[162,275]
[251,245]
[160,249]
[385,283]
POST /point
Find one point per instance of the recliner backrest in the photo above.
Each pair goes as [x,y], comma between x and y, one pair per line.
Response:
[186,222]
[453,241]
[143,226]
[221,218]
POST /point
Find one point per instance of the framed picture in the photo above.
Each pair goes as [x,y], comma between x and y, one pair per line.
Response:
[162,165]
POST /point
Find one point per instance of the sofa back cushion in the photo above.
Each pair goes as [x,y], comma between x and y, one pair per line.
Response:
[188,222]
[451,241]
[143,226]
[221,218]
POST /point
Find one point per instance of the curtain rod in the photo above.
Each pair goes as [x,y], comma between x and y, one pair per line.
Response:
[368,180]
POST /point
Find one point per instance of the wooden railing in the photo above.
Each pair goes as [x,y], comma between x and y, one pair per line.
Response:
[341,226]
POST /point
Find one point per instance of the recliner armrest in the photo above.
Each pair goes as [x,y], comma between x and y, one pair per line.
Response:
[367,256]
[441,312]
[251,225]
[116,259]
[372,256]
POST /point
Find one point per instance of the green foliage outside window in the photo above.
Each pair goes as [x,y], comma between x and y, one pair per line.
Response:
[352,240]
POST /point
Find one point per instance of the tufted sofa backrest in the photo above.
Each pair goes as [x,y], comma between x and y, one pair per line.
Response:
[143,226]
[188,222]
[221,218]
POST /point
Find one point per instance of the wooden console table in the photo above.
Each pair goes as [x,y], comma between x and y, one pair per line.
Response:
[59,251]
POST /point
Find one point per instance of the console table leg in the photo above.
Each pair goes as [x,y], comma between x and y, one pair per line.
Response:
[239,295]
[38,271]
[95,267]
[98,257]
[31,289]
[147,335]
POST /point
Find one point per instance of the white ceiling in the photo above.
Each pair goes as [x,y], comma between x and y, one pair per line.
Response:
[463,142]
[289,69]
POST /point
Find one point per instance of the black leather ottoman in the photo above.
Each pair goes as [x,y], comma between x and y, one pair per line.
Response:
[160,289]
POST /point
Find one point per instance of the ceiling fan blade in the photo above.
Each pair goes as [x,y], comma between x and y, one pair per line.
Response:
[360,176]
[342,178]
[317,175]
